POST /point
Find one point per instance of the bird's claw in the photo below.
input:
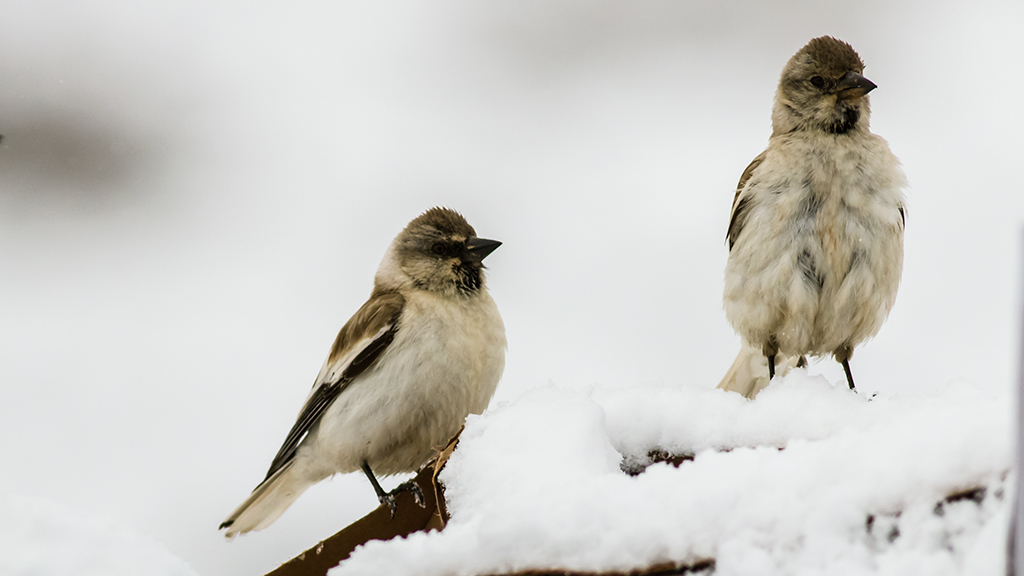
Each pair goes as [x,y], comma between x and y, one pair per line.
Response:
[389,499]
[413,487]
[392,502]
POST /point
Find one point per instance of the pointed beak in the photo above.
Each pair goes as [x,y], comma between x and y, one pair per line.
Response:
[478,248]
[853,85]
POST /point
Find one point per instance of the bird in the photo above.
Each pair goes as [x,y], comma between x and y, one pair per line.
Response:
[815,233]
[426,350]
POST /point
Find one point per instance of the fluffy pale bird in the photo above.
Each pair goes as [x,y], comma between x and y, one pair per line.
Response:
[816,231]
[426,350]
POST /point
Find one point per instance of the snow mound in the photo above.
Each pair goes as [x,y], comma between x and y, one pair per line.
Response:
[41,538]
[809,478]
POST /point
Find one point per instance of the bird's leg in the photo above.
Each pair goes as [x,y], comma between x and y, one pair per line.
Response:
[382,496]
[770,349]
[843,355]
[849,375]
[389,497]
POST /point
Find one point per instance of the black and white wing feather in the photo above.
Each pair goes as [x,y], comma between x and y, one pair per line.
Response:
[358,346]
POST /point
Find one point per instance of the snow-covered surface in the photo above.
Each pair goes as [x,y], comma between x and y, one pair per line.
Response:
[41,538]
[539,484]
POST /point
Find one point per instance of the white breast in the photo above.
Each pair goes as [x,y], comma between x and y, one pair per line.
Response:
[444,364]
[819,259]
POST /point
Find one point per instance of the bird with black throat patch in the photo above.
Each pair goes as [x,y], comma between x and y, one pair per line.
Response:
[816,231]
[425,351]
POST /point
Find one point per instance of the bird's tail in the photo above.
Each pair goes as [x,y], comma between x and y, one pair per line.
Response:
[748,374]
[267,502]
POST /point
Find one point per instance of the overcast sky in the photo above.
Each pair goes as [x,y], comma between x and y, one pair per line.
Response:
[194,197]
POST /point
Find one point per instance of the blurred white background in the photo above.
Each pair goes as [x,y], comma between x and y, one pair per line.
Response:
[194,196]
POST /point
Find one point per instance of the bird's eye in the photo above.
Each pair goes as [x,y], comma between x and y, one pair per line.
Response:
[439,248]
[818,81]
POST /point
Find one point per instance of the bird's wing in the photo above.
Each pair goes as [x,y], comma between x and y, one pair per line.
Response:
[359,344]
[738,216]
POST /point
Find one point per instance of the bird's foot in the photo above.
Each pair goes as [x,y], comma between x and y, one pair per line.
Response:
[413,487]
[392,502]
[389,499]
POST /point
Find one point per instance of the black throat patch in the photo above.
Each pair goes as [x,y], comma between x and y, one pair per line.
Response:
[845,121]
[467,277]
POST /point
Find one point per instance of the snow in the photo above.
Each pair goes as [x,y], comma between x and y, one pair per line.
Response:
[809,478]
[41,538]
[784,484]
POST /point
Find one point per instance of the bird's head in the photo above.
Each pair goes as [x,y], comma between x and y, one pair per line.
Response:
[822,89]
[438,251]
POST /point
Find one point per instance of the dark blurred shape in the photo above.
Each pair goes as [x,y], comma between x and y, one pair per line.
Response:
[1015,537]
[53,156]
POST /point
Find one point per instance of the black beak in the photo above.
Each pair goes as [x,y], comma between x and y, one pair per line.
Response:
[478,248]
[853,85]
